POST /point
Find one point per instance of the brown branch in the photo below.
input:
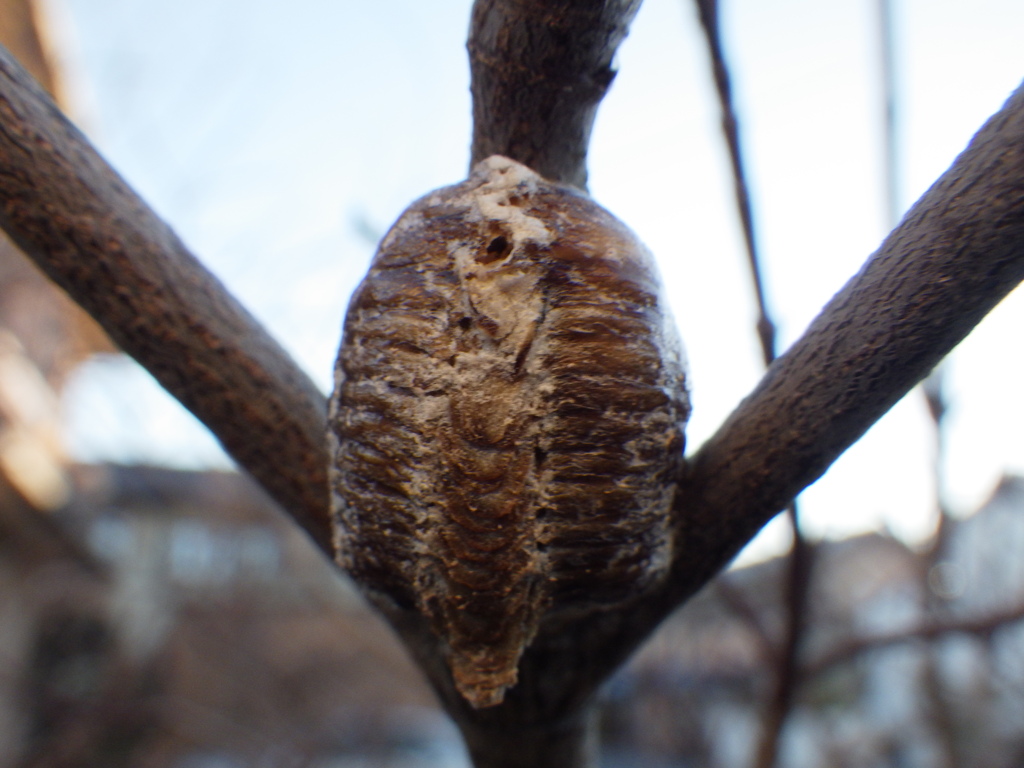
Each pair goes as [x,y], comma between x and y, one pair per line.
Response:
[83,226]
[736,600]
[956,254]
[708,12]
[936,698]
[539,71]
[932,630]
[787,673]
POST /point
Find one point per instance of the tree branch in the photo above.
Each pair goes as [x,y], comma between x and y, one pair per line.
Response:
[956,254]
[81,224]
[539,71]
[931,630]
[707,10]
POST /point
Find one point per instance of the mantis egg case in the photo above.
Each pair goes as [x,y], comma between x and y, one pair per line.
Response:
[507,422]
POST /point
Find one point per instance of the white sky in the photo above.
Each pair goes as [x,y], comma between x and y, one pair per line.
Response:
[271,135]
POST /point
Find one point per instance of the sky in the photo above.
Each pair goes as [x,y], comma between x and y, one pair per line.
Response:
[280,140]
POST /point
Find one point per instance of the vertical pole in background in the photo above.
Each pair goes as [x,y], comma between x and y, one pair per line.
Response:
[893,208]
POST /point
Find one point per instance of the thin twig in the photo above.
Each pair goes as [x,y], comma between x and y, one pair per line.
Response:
[735,599]
[889,138]
[787,670]
[708,10]
[982,626]
[800,557]
[936,700]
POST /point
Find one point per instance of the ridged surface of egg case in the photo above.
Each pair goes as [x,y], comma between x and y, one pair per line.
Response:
[507,423]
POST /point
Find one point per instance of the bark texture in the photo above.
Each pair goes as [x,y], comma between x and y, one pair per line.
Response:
[539,71]
[955,255]
[81,224]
